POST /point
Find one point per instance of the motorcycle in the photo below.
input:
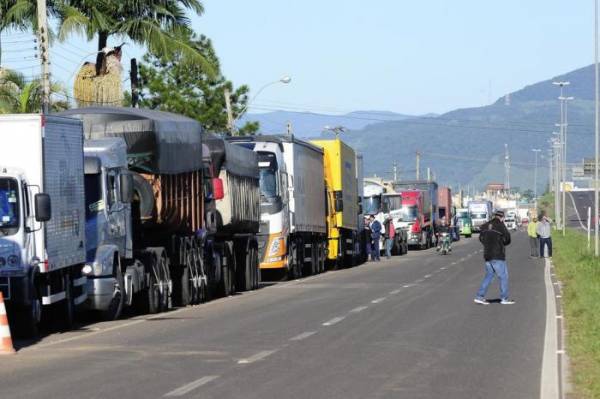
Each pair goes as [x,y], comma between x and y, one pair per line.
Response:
[445,241]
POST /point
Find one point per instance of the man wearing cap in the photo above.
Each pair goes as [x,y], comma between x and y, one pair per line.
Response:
[534,244]
[495,237]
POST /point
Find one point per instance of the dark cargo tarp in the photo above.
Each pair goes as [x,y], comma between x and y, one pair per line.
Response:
[237,160]
[158,142]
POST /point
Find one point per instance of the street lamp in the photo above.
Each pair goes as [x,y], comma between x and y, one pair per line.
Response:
[535,151]
[335,130]
[285,80]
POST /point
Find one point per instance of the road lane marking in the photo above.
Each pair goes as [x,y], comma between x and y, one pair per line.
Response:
[419,280]
[407,286]
[443,268]
[549,385]
[256,357]
[302,336]
[378,300]
[559,316]
[191,386]
[559,296]
[358,309]
[395,292]
[333,321]
[427,276]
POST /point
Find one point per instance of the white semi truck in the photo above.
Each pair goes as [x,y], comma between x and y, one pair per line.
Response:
[293,204]
[42,219]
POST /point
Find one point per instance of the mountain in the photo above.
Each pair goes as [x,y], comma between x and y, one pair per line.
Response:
[466,146]
[308,124]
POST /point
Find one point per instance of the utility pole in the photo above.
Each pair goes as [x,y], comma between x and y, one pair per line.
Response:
[133,78]
[428,174]
[418,164]
[535,151]
[289,128]
[44,54]
[557,150]
[565,125]
[230,123]
[562,165]
[395,170]
[597,133]
[506,169]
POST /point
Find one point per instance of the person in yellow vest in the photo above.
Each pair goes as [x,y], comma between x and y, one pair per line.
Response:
[533,238]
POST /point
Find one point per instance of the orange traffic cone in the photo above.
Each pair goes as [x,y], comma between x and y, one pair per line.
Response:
[6,347]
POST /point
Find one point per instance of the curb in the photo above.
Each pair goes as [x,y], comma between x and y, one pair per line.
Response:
[554,382]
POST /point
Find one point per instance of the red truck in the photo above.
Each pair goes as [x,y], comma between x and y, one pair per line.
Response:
[417,218]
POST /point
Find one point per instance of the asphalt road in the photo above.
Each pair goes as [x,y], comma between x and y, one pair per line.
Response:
[404,328]
[576,208]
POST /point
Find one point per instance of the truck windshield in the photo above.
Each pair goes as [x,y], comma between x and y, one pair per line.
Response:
[9,206]
[463,214]
[372,205]
[409,212]
[267,164]
[479,215]
[395,201]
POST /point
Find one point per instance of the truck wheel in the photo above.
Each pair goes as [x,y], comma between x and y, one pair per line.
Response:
[149,298]
[255,268]
[164,280]
[184,291]
[228,269]
[27,320]
[116,304]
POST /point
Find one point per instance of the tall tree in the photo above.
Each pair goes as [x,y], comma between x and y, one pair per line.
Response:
[160,25]
[168,84]
[17,95]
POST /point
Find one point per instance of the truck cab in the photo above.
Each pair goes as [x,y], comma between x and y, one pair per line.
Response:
[108,196]
[274,203]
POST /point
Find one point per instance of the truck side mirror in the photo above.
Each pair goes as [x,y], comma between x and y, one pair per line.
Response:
[339,201]
[218,191]
[126,187]
[43,208]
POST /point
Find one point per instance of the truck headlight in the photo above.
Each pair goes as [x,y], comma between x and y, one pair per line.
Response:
[275,246]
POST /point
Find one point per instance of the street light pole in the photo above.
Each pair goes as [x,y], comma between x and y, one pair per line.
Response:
[535,151]
[284,80]
[565,126]
[562,84]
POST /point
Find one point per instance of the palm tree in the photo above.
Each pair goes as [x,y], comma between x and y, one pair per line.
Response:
[17,95]
[160,25]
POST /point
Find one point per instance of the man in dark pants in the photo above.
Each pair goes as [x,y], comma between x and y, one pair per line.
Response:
[375,227]
[544,231]
[495,237]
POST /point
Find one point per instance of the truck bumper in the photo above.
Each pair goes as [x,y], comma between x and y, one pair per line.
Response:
[16,290]
[414,239]
[100,292]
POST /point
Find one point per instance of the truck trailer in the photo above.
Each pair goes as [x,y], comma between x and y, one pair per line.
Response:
[181,243]
[42,216]
[294,235]
[342,202]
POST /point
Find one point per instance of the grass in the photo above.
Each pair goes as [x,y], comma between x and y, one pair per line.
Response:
[579,271]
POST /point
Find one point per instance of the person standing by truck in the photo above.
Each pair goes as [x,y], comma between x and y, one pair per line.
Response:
[389,235]
[375,227]
[533,238]
[544,231]
[495,237]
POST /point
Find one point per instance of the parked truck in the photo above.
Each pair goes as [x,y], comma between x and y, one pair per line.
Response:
[191,226]
[481,212]
[419,211]
[381,200]
[342,202]
[42,216]
[294,237]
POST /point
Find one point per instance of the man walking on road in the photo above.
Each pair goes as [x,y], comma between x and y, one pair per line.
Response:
[544,230]
[495,237]
[534,244]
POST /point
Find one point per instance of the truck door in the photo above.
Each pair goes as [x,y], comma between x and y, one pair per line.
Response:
[116,210]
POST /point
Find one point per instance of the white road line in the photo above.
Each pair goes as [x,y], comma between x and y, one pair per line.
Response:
[359,309]
[427,276]
[419,280]
[559,296]
[395,292]
[302,336]
[191,386]
[559,317]
[333,321]
[378,300]
[256,357]
[407,286]
[443,268]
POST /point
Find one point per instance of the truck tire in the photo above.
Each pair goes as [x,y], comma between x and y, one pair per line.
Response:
[27,320]
[116,305]
[228,271]
[255,267]
[243,268]
[145,194]
[148,299]
[294,269]
[184,295]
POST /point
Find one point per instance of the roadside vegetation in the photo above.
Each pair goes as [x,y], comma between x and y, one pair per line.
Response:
[579,271]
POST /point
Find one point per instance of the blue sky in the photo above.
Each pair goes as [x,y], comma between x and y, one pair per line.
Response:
[404,56]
